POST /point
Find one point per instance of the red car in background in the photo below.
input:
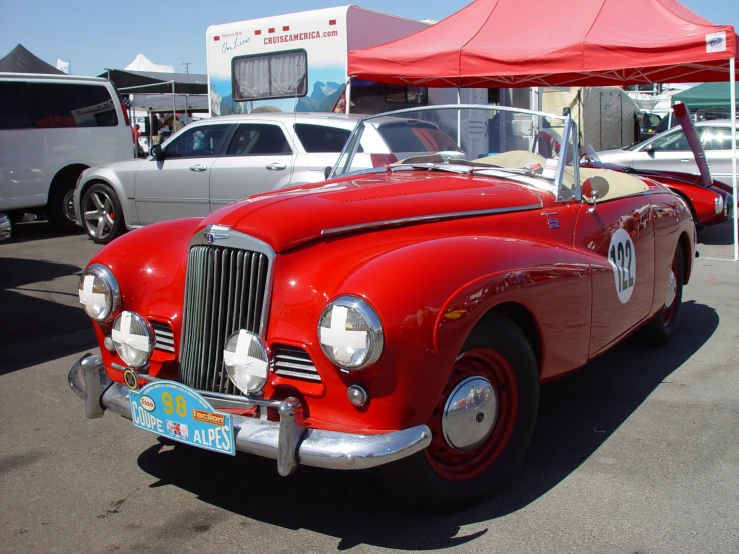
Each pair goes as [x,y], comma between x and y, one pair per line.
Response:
[708,205]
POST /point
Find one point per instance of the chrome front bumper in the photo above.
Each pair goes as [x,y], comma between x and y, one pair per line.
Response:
[287,441]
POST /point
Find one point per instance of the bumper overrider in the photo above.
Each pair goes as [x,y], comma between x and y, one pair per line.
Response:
[287,441]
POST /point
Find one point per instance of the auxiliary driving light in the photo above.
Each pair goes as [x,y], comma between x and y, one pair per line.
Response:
[247,361]
[133,339]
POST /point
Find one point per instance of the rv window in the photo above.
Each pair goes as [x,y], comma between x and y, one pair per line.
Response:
[404,94]
[320,138]
[267,76]
[15,109]
[62,105]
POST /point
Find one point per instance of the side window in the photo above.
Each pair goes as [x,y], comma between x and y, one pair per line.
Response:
[716,138]
[320,138]
[70,105]
[197,142]
[252,139]
[672,142]
[16,111]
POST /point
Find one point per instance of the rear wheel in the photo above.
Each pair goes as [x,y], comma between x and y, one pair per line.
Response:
[102,214]
[481,425]
[60,209]
[664,323]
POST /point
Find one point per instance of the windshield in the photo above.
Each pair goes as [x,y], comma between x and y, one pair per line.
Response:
[534,147]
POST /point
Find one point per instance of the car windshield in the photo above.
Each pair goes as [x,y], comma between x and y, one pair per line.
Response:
[535,147]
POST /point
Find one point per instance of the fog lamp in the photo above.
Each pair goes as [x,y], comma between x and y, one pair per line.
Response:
[247,361]
[132,338]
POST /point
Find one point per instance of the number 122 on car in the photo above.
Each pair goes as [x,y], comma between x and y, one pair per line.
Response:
[179,413]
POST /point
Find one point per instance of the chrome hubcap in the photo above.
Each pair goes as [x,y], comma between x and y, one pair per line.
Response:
[68,205]
[470,414]
[99,215]
[671,290]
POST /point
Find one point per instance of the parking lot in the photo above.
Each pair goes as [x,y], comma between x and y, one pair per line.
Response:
[638,452]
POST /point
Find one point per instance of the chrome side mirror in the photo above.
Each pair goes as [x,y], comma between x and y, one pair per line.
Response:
[594,188]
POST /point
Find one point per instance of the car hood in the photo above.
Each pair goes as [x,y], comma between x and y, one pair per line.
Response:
[292,217]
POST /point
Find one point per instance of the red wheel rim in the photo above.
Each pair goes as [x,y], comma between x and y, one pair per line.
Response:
[460,466]
[668,314]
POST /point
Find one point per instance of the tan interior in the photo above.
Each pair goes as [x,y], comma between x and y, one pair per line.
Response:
[619,184]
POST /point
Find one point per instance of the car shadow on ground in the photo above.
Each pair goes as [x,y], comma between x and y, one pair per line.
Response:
[577,415]
[35,230]
[717,235]
[35,325]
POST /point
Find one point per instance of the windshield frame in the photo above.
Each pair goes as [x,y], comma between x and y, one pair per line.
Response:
[569,130]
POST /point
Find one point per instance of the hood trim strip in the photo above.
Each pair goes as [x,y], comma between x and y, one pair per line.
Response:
[427,218]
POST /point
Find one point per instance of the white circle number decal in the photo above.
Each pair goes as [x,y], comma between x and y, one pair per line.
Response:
[622,255]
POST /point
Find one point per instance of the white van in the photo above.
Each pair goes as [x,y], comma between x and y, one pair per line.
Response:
[52,127]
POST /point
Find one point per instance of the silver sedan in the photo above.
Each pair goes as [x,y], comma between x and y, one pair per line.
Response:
[669,151]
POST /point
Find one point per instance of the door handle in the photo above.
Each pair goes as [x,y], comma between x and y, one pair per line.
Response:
[197,167]
[686,160]
[275,166]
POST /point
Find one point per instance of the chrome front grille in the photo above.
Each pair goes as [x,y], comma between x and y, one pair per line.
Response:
[163,335]
[290,361]
[225,291]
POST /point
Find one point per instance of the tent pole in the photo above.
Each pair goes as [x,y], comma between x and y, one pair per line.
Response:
[348,95]
[459,118]
[732,84]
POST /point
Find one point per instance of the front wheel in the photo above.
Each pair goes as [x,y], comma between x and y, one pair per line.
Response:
[664,323]
[481,425]
[102,213]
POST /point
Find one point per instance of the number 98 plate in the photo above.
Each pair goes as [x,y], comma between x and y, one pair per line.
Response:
[179,413]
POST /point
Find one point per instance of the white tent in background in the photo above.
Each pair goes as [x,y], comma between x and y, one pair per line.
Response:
[142,63]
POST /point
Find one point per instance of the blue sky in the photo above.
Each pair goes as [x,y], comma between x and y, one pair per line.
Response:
[99,34]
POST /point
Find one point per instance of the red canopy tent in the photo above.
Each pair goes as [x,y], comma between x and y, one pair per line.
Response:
[529,43]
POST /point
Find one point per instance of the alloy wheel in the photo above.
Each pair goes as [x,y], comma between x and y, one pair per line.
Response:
[99,214]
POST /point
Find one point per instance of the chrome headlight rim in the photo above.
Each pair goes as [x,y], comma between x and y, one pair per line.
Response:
[99,271]
[370,317]
[149,335]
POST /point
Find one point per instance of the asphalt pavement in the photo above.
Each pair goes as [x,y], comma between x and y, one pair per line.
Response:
[638,452]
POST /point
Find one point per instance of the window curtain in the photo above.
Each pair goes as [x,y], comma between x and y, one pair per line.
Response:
[272,76]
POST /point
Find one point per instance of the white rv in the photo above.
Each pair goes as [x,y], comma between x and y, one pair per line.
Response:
[298,62]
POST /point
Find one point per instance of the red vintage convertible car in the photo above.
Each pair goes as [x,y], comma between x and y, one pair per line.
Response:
[405,313]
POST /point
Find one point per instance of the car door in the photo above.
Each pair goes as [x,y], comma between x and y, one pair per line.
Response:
[618,237]
[178,184]
[259,157]
[716,142]
[669,151]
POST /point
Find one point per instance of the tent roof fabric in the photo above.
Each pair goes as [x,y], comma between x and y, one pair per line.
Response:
[20,60]
[522,43]
[142,63]
[156,82]
[707,95]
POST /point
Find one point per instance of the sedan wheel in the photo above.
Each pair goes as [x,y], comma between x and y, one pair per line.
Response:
[102,214]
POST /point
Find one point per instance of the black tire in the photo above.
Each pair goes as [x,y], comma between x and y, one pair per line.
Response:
[108,223]
[428,484]
[15,217]
[60,209]
[663,324]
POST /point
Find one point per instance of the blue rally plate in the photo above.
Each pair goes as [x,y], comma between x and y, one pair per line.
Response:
[177,412]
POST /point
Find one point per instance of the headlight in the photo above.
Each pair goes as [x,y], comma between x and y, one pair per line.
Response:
[350,333]
[132,339]
[99,293]
[246,360]
[719,204]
